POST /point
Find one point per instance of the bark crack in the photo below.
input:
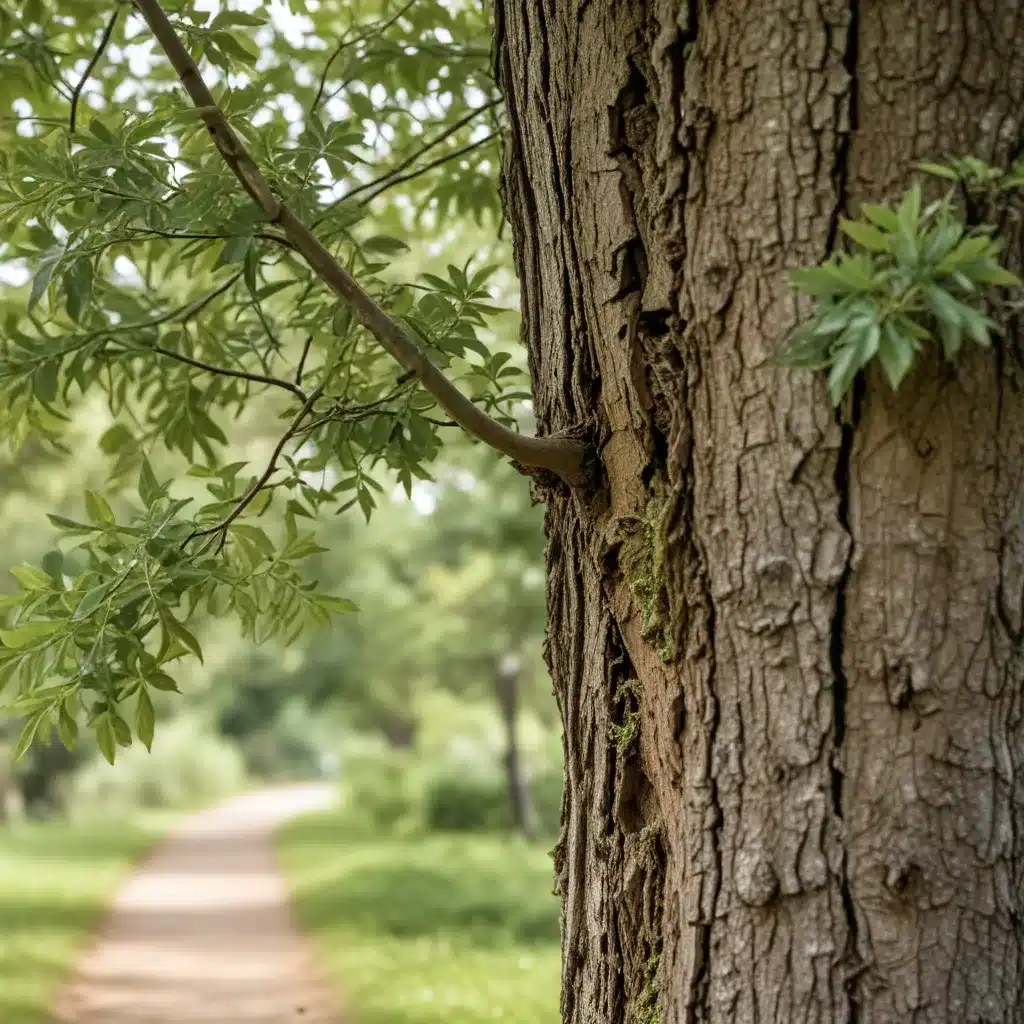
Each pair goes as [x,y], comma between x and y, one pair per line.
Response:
[699,1007]
[844,460]
[839,692]
[841,169]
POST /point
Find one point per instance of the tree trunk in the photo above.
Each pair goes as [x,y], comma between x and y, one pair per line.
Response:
[399,729]
[524,819]
[786,645]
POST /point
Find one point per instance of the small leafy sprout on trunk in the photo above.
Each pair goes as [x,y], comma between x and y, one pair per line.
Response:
[914,275]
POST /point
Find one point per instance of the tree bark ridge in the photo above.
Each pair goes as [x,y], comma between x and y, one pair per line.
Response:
[728,615]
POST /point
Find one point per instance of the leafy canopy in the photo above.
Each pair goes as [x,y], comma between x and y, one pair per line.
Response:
[139,271]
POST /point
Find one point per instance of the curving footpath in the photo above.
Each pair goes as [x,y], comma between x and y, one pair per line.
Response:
[203,930]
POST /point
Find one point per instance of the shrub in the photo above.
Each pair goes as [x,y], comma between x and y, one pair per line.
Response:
[465,801]
[188,765]
[379,787]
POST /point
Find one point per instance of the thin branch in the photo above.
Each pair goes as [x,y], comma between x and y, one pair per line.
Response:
[438,162]
[374,29]
[562,454]
[264,236]
[302,360]
[261,481]
[341,47]
[94,60]
[275,343]
[223,371]
[425,148]
[185,312]
[190,310]
[345,413]
[41,69]
[182,314]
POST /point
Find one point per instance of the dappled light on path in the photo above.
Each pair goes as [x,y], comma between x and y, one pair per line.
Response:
[203,931]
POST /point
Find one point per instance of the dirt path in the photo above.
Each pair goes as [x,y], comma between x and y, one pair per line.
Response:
[203,930]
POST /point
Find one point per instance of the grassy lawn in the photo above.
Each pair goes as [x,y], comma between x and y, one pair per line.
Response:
[429,929]
[55,882]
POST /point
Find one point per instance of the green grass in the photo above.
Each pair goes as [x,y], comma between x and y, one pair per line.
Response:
[56,880]
[428,929]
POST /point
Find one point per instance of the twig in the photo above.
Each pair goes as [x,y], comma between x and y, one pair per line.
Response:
[434,142]
[302,360]
[341,47]
[261,481]
[223,371]
[275,343]
[438,162]
[182,314]
[562,454]
[350,412]
[192,309]
[94,60]
[375,29]
[185,236]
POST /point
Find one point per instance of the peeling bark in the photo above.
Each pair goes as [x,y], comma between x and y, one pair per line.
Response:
[786,645]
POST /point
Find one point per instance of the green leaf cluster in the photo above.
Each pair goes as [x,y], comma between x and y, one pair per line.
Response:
[108,611]
[914,275]
[976,175]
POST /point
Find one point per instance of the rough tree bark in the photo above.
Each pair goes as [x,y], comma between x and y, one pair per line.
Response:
[786,644]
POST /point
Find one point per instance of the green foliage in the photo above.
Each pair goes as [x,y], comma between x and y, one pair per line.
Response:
[56,881]
[156,285]
[915,275]
[428,929]
[976,176]
[105,617]
[275,728]
[380,790]
[459,801]
[43,777]
[466,798]
[188,766]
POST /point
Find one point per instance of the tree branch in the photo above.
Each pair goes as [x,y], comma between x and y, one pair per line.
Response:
[438,162]
[425,148]
[223,371]
[185,236]
[181,313]
[561,454]
[302,360]
[261,481]
[76,93]
[375,29]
